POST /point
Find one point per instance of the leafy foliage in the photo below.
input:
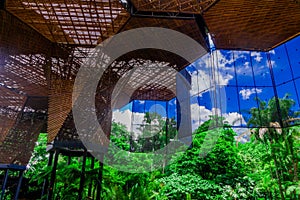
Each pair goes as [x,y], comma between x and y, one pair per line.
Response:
[213,167]
[177,186]
[280,142]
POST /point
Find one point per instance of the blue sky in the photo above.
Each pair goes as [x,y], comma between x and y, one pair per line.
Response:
[240,76]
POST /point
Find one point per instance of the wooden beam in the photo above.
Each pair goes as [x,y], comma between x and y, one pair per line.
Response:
[166,15]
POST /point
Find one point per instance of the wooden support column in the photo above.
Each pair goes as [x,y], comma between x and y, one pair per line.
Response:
[19,184]
[53,176]
[4,184]
[82,176]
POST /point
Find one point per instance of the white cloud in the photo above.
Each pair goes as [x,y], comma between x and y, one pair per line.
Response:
[223,61]
[202,77]
[242,65]
[200,114]
[272,52]
[273,63]
[234,119]
[141,101]
[123,117]
[257,56]
[200,82]
[247,64]
[172,102]
[133,121]
[246,93]
[128,119]
[220,63]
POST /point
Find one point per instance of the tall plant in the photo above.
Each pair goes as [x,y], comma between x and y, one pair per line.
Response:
[273,119]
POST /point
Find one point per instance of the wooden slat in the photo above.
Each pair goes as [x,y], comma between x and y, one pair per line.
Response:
[59,20]
[251,24]
[176,6]
[19,143]
[60,104]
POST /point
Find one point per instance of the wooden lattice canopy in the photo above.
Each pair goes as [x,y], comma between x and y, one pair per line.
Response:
[253,24]
[43,44]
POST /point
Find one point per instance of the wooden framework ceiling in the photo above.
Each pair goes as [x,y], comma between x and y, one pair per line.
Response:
[179,6]
[85,22]
[23,88]
[71,22]
[252,24]
[42,50]
[43,43]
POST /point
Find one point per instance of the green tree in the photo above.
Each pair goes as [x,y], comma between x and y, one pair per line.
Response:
[120,136]
[156,132]
[274,118]
[209,169]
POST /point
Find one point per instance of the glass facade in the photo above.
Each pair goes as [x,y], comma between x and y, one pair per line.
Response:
[230,85]
[241,80]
